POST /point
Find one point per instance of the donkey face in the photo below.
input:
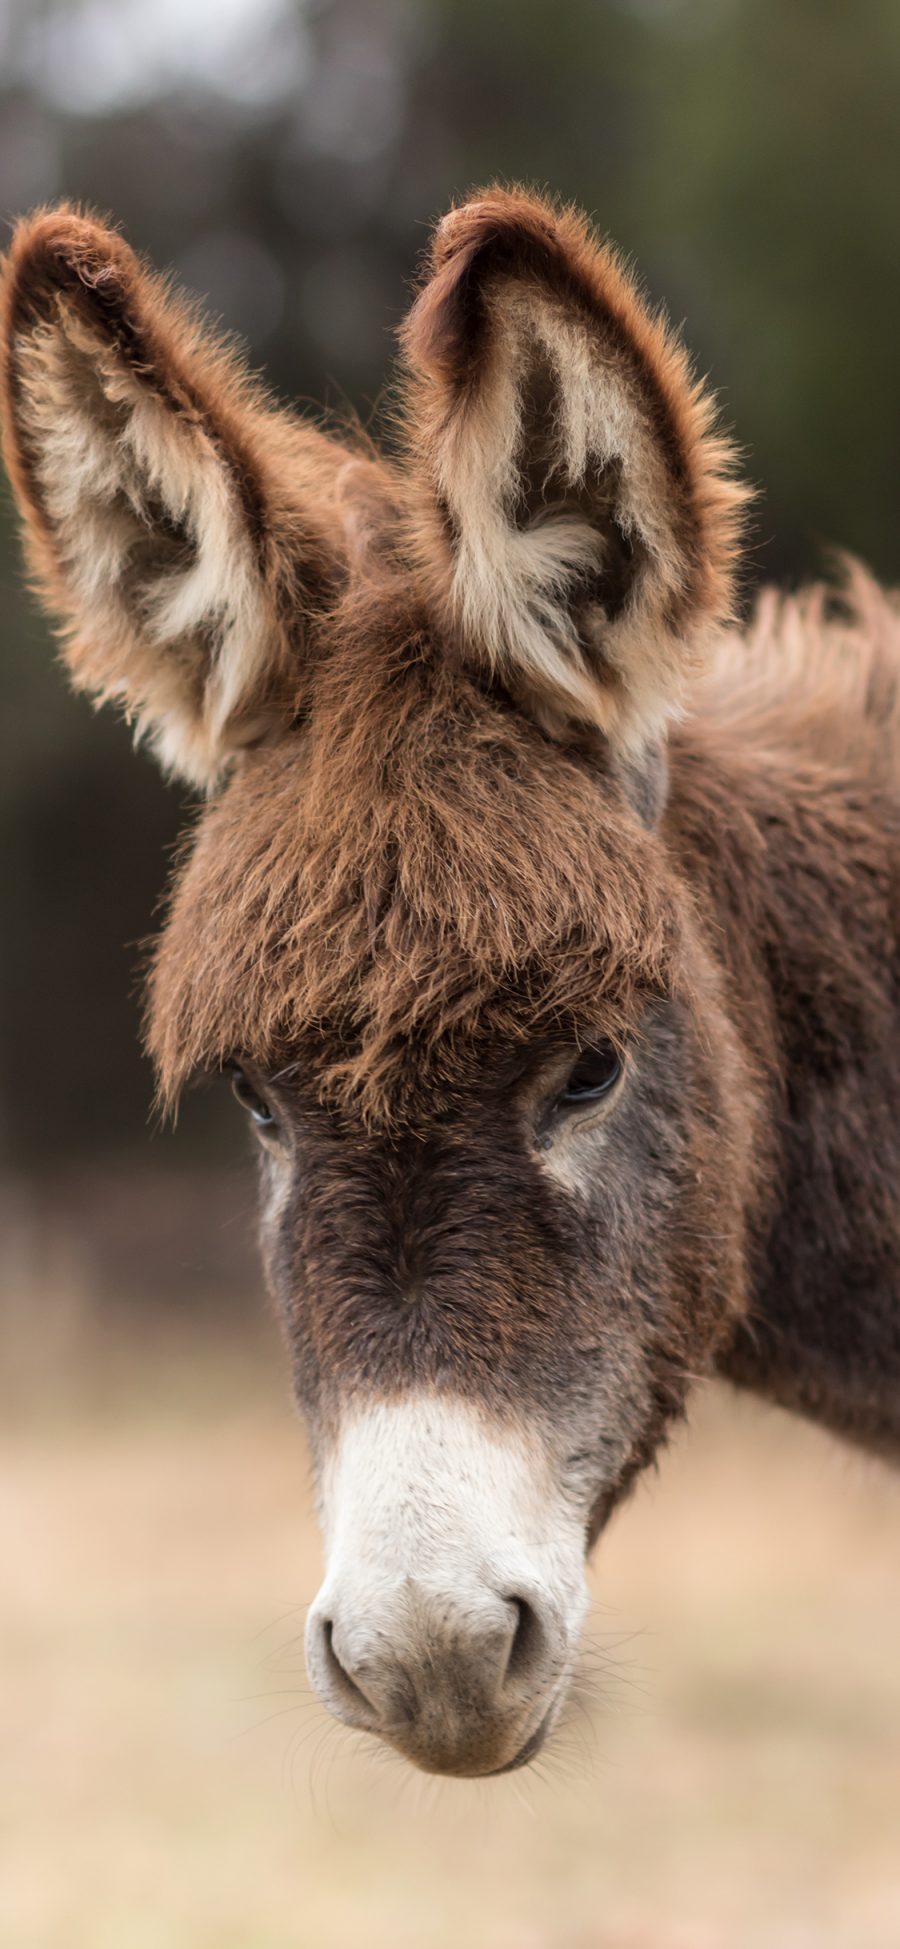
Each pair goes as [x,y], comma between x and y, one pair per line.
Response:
[430,918]
[492,1317]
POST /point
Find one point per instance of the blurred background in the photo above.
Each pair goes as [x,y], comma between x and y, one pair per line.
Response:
[735,1777]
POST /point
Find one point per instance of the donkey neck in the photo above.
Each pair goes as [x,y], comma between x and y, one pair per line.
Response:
[796,871]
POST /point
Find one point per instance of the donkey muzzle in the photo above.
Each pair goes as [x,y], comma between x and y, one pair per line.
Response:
[458,1682]
[453,1599]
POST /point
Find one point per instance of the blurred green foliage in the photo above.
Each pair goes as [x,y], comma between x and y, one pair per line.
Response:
[285,159]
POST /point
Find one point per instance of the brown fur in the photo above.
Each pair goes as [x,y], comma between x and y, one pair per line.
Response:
[441,863]
[785,817]
[373,880]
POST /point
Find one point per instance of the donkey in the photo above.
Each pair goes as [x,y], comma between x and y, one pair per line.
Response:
[546,922]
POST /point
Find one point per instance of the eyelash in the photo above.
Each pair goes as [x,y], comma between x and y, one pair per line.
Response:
[249,1099]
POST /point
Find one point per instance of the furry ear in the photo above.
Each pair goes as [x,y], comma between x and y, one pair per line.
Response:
[581,521]
[185,529]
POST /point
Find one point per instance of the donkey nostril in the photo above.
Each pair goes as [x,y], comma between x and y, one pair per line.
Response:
[527,1645]
[346,1687]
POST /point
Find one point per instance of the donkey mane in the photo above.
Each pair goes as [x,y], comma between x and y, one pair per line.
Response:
[817,672]
[373,878]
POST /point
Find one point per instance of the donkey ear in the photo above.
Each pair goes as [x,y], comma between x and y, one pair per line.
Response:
[582,522]
[182,527]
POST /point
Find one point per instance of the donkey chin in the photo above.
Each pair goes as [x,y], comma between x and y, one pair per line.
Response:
[449,1618]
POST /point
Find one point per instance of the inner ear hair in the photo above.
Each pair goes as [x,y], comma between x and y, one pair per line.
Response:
[584,516]
[186,530]
[544,492]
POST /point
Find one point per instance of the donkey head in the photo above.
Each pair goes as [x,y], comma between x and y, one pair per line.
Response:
[431,918]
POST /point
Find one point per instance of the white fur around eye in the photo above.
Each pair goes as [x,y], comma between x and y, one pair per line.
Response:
[569,1142]
[572,1156]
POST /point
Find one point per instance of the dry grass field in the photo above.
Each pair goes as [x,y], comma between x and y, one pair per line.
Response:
[732,1781]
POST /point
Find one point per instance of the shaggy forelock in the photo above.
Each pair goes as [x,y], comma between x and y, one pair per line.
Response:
[417,867]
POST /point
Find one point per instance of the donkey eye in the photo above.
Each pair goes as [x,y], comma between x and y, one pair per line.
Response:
[595,1073]
[250,1099]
